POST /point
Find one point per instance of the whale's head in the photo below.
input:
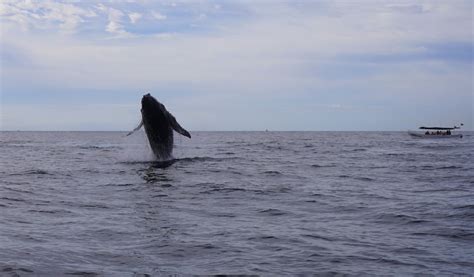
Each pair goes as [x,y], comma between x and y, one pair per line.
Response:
[155,116]
[152,110]
[151,106]
[149,102]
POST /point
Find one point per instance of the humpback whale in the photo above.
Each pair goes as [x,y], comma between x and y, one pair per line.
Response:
[159,125]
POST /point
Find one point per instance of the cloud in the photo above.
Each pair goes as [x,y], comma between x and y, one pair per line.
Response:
[44,14]
[134,17]
[158,16]
[247,60]
[115,21]
[282,45]
[259,50]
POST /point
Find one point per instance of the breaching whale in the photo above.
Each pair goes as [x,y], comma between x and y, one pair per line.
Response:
[159,125]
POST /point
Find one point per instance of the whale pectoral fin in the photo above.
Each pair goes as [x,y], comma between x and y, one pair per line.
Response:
[136,129]
[177,127]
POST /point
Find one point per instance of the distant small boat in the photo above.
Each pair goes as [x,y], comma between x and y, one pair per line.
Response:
[436,132]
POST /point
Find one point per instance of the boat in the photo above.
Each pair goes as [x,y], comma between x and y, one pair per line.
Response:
[436,132]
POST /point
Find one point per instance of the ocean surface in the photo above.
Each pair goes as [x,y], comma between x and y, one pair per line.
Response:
[265,203]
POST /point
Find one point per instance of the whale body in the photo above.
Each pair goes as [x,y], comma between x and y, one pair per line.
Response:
[159,125]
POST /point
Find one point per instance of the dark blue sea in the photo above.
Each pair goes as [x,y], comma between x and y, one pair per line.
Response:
[264,203]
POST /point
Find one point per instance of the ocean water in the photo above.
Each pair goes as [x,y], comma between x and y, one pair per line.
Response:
[265,203]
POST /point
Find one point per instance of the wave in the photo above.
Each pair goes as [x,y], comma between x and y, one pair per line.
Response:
[273,212]
[317,237]
[321,166]
[432,167]
[57,211]
[101,147]
[398,219]
[225,190]
[82,273]
[32,172]
[231,190]
[359,150]
[365,179]
[168,163]
[12,199]
[273,172]
[467,207]
[457,234]
[14,271]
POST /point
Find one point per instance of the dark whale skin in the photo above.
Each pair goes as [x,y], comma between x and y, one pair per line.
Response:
[159,125]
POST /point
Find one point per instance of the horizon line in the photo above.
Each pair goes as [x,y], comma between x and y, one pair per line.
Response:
[227,130]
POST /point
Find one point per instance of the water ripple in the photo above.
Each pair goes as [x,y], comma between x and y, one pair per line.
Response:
[254,203]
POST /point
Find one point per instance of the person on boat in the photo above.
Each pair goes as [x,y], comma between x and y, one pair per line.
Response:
[427,133]
[448,132]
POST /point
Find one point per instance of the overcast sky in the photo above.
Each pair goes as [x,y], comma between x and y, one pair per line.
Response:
[237,65]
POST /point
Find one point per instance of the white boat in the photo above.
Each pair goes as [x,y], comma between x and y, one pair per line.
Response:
[436,132]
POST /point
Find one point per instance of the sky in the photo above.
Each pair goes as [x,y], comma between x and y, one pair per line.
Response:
[237,65]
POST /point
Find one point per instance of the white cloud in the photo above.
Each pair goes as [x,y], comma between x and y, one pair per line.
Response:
[134,17]
[115,21]
[277,53]
[158,16]
[259,50]
[45,14]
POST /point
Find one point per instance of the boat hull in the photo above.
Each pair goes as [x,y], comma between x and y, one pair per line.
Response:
[419,135]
